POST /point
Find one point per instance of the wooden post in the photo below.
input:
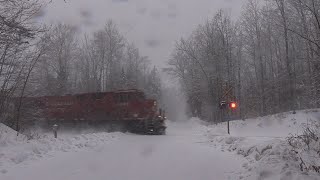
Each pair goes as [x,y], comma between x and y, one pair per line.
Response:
[228,118]
[55,130]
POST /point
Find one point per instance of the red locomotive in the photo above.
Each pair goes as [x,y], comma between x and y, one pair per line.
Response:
[128,109]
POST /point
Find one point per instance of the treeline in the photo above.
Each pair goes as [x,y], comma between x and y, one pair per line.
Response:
[58,60]
[98,62]
[268,60]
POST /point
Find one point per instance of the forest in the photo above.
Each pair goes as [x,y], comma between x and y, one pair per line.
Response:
[57,59]
[267,60]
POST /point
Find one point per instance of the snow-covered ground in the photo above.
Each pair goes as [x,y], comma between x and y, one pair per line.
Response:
[179,155]
[24,150]
[256,149]
[263,142]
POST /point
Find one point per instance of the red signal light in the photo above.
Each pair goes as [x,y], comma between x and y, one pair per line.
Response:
[233,105]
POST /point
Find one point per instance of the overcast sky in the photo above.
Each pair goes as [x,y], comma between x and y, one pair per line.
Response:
[153,25]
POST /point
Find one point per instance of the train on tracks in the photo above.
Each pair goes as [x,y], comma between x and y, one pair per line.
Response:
[127,110]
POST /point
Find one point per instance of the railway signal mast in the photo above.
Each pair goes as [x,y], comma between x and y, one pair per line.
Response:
[226,106]
[232,106]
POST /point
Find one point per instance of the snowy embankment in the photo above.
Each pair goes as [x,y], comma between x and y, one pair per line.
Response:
[258,145]
[263,142]
[22,149]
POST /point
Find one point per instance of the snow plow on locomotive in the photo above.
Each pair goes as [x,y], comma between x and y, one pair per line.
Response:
[124,110]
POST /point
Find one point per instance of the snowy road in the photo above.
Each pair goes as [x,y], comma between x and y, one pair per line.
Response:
[182,154]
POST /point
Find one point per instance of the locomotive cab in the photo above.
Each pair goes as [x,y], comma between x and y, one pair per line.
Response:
[141,113]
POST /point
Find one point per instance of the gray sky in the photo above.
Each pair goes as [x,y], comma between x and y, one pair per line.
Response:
[153,25]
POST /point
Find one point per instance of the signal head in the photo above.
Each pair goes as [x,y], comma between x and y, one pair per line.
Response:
[233,105]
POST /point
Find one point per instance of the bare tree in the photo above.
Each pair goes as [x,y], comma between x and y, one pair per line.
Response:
[17,35]
[58,58]
[271,57]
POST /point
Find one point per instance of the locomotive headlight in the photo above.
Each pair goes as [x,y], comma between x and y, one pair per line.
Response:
[154,107]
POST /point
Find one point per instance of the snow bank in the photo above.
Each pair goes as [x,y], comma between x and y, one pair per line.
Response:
[263,143]
[266,159]
[278,125]
[9,136]
[15,150]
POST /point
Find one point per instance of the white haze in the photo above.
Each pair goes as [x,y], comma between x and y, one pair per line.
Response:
[174,103]
[153,25]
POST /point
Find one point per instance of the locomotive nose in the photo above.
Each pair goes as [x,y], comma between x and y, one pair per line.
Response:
[154,107]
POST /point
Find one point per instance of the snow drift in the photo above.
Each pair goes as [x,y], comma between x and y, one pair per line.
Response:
[263,142]
[21,149]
